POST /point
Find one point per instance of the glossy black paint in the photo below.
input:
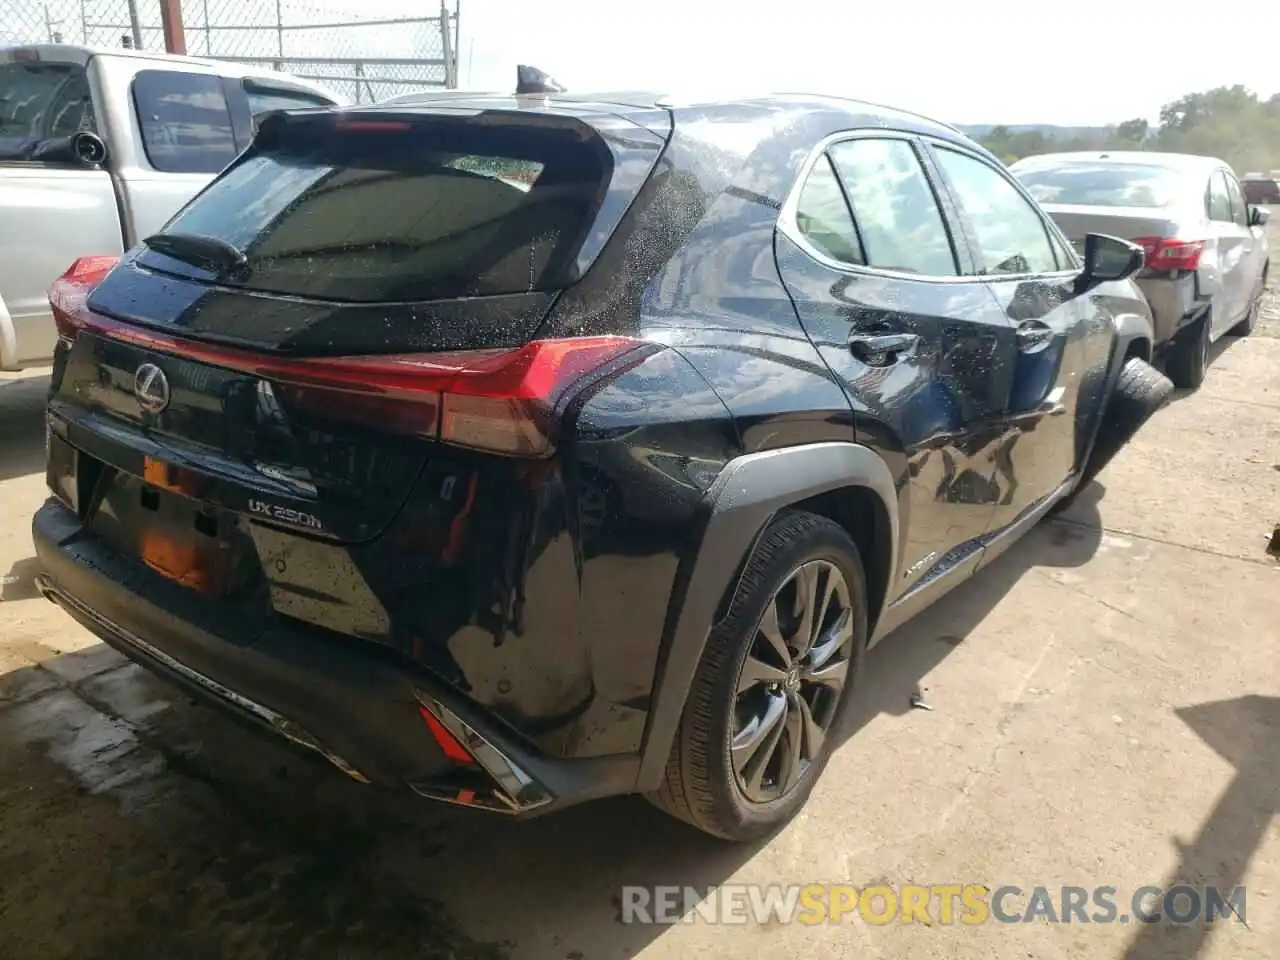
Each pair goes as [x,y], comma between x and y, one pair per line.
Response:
[544,596]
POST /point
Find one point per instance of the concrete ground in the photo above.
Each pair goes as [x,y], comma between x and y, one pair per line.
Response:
[1106,711]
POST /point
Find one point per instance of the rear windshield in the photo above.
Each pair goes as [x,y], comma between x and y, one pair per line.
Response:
[1103,184]
[378,210]
[40,100]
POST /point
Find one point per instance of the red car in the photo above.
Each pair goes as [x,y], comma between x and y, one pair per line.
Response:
[1261,189]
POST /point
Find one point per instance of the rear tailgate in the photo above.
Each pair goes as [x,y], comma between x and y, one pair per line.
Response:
[255,431]
[365,236]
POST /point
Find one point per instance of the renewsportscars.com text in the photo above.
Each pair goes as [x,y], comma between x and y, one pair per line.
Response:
[933,904]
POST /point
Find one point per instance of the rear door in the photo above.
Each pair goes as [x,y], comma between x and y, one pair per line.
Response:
[882,290]
[51,211]
[1053,339]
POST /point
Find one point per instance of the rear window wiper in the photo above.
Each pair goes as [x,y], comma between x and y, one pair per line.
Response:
[222,259]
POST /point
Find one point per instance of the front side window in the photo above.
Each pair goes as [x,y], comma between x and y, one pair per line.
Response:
[823,217]
[185,123]
[1067,258]
[894,207]
[1239,208]
[1219,201]
[1009,231]
[40,100]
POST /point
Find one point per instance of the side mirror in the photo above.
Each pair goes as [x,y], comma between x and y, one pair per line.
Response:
[84,149]
[89,148]
[1108,258]
[1258,216]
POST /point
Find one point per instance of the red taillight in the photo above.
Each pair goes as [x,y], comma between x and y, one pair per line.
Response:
[1166,254]
[69,292]
[502,401]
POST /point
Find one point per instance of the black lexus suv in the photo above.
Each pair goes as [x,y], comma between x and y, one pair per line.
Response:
[525,450]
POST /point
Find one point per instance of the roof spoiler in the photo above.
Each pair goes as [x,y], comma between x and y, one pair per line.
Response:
[531,80]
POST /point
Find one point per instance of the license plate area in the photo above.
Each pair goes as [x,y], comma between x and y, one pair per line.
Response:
[194,544]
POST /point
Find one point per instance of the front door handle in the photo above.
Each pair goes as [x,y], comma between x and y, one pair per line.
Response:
[881,349]
[1034,336]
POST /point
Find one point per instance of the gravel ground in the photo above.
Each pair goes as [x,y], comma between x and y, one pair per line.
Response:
[1107,702]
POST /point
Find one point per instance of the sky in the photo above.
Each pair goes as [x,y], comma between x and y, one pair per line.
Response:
[1070,62]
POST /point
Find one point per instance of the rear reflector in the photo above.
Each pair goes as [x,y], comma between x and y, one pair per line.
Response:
[501,401]
[1166,254]
[69,292]
[449,744]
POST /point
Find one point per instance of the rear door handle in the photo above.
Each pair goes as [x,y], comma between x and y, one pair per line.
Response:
[881,349]
[1034,336]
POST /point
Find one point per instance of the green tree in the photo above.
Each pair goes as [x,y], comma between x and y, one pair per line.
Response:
[1133,131]
[1231,123]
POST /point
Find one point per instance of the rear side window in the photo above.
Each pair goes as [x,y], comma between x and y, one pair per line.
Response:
[436,207]
[185,123]
[894,206]
[1010,232]
[823,216]
[41,100]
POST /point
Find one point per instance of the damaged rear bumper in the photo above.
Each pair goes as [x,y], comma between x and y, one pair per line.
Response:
[374,717]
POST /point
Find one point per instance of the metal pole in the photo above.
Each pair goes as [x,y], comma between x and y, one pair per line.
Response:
[280,34]
[208,32]
[446,46]
[84,22]
[457,42]
[175,38]
[135,27]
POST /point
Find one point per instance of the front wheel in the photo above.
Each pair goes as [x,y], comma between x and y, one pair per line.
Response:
[1250,322]
[1139,393]
[772,684]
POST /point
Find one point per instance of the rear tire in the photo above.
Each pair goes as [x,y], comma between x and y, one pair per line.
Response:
[741,695]
[1189,355]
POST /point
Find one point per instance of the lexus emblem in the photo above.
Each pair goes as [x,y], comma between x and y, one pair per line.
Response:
[151,388]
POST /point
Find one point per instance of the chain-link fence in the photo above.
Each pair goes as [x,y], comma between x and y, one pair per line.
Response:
[350,45]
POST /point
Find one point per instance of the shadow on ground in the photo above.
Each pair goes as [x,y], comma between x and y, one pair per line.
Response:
[1246,733]
[22,428]
[144,826]
[20,582]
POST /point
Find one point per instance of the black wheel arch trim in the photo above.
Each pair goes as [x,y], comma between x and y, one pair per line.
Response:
[746,495]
